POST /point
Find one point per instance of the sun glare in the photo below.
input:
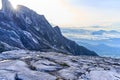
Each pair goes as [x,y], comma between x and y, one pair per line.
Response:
[14,4]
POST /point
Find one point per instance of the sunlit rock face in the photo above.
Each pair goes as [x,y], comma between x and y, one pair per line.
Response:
[6,5]
[25,29]
[7,8]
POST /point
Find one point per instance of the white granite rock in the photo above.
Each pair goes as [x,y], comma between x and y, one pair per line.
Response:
[7,75]
[46,65]
[32,65]
[103,75]
[35,75]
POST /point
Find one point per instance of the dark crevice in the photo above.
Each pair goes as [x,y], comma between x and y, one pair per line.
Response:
[17,78]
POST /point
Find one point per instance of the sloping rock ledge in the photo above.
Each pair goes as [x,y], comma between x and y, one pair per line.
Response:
[31,65]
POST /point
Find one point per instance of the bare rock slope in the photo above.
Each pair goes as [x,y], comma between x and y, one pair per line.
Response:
[25,29]
[28,65]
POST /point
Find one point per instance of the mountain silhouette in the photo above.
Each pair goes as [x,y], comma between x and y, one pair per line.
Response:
[25,29]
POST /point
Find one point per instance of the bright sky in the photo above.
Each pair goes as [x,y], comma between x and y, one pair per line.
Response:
[76,13]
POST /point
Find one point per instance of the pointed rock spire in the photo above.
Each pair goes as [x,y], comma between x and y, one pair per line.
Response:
[6,5]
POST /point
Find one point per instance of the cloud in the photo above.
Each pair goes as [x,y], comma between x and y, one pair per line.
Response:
[87,34]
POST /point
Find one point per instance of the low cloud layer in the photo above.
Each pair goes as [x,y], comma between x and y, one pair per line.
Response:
[90,34]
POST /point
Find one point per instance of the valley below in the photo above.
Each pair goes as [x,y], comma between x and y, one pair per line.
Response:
[104,42]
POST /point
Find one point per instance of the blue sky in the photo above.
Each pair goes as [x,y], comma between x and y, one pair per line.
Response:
[99,12]
[76,13]
[96,3]
[107,11]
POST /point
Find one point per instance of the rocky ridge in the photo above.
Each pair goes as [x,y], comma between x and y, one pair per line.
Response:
[25,29]
[32,65]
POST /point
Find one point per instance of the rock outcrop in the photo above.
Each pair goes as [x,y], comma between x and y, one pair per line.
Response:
[25,29]
[28,65]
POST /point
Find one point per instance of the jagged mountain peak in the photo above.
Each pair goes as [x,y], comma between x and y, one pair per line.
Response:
[6,6]
[25,29]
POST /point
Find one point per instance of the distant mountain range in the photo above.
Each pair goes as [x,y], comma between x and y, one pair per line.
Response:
[25,29]
[105,43]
